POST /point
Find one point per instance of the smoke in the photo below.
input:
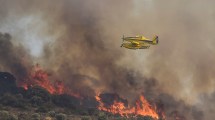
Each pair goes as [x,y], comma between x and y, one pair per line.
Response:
[13,58]
[183,61]
[78,41]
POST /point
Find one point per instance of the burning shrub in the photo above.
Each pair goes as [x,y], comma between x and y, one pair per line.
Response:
[61,116]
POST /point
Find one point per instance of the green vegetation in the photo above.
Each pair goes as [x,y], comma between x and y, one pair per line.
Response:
[23,116]
[35,116]
[52,113]
[145,118]
[38,95]
[65,101]
[61,116]
[102,116]
[13,100]
[86,118]
[5,115]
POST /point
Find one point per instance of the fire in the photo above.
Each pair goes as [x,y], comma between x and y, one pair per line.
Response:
[142,108]
[41,78]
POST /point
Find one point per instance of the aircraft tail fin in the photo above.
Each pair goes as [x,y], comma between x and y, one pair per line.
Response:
[155,40]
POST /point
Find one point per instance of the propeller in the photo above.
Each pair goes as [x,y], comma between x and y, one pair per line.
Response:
[123,37]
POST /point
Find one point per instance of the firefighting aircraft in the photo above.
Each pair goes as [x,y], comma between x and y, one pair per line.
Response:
[138,42]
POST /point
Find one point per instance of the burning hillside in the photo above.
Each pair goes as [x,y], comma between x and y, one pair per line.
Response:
[111,103]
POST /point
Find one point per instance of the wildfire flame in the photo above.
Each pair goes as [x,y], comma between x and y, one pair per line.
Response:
[142,108]
[40,78]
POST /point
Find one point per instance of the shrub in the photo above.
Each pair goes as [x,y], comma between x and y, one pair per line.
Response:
[120,118]
[13,100]
[42,109]
[8,100]
[48,118]
[144,118]
[12,117]
[86,118]
[102,116]
[65,101]
[51,113]
[61,116]
[93,111]
[4,115]
[23,116]
[36,101]
[82,112]
[35,116]
[38,95]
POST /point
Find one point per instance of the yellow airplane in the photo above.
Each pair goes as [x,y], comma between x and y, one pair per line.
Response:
[138,42]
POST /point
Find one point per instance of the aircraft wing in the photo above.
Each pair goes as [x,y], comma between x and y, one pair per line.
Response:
[143,38]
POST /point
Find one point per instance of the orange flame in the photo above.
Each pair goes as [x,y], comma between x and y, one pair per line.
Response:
[40,78]
[142,108]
